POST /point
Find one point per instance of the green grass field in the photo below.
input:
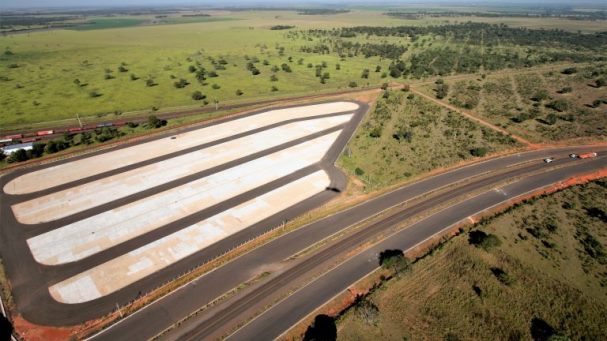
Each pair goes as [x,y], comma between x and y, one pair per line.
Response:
[551,265]
[54,75]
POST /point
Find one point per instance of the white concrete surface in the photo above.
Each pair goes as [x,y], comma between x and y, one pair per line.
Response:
[61,174]
[83,238]
[137,264]
[79,198]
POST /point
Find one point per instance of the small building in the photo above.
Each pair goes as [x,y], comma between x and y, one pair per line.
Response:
[8,150]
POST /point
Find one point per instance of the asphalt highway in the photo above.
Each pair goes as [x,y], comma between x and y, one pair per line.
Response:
[281,316]
[172,308]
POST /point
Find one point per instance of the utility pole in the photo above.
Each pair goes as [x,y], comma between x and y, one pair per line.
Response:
[79,122]
[216,104]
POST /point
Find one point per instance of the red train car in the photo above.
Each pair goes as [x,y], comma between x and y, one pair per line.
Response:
[45,132]
[14,137]
[30,139]
[73,130]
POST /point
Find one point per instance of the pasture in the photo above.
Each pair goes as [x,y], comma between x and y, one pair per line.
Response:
[144,63]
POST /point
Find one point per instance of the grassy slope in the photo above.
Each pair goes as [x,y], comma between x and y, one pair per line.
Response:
[554,277]
[439,139]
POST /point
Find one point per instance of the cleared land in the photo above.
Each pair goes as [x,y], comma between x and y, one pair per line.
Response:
[123,215]
[549,268]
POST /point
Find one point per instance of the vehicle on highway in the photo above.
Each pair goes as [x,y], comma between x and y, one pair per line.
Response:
[548,159]
[588,155]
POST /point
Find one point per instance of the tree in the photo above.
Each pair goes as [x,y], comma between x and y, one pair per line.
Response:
[337,66]
[134,77]
[285,67]
[38,149]
[239,92]
[122,68]
[191,68]
[442,90]
[365,74]
[273,78]
[359,172]
[378,68]
[18,155]
[322,329]
[395,261]
[150,82]
[197,95]
[181,83]
[352,84]
[274,88]
[216,86]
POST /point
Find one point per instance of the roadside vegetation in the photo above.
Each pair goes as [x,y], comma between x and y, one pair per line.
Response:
[406,135]
[536,271]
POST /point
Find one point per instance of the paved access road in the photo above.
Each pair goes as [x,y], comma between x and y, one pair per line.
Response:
[281,316]
[31,280]
[179,304]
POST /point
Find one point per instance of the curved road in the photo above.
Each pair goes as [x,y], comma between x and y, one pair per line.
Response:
[174,307]
[281,316]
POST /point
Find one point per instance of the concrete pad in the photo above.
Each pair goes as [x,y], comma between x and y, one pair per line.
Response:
[79,198]
[61,174]
[124,270]
[86,237]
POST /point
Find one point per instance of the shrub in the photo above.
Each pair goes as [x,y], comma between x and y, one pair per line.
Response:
[478,152]
[359,172]
[485,241]
[352,84]
[558,105]
[216,86]
[367,312]
[155,122]
[239,92]
[285,67]
[502,276]
[197,96]
[274,89]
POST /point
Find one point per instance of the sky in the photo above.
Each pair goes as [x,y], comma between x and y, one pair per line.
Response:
[119,3]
